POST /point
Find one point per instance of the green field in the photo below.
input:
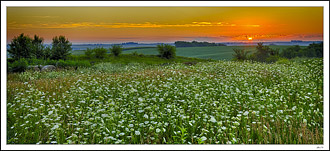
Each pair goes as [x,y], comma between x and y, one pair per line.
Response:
[216,53]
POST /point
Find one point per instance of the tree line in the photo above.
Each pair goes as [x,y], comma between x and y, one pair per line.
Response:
[266,54]
[25,51]
[23,46]
[195,44]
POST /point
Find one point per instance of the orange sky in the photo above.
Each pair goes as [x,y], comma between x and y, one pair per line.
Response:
[167,24]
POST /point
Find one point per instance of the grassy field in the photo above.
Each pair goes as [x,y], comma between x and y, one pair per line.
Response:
[216,53]
[222,102]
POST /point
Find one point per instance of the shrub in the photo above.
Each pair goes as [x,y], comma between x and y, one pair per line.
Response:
[262,53]
[166,51]
[135,53]
[61,63]
[291,52]
[315,50]
[50,62]
[272,59]
[100,53]
[19,65]
[116,50]
[283,61]
[240,54]
[82,63]
[36,61]
[89,53]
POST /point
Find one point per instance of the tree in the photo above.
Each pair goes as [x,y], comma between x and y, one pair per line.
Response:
[38,47]
[262,52]
[100,52]
[240,54]
[166,51]
[61,48]
[291,52]
[89,53]
[116,50]
[20,47]
[317,49]
[47,53]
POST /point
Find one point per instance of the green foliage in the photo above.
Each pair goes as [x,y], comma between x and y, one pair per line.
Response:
[283,61]
[83,63]
[89,53]
[47,53]
[35,61]
[272,59]
[313,50]
[99,52]
[19,65]
[265,54]
[60,48]
[135,53]
[240,54]
[181,136]
[290,52]
[38,47]
[262,52]
[116,50]
[72,64]
[20,47]
[61,63]
[166,51]
[50,62]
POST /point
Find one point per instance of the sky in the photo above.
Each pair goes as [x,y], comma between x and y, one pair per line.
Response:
[166,24]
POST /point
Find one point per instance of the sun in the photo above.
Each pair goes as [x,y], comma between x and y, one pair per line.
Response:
[249,38]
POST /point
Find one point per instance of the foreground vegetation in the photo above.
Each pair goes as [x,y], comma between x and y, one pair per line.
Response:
[223,102]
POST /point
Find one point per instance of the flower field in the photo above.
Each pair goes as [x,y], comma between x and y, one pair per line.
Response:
[221,102]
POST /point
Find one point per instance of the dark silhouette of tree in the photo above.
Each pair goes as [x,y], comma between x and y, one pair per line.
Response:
[116,50]
[20,47]
[38,47]
[61,48]
[290,52]
[166,51]
[262,52]
[195,44]
[317,50]
[100,52]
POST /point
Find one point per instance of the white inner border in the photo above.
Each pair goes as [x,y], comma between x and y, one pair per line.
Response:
[6,4]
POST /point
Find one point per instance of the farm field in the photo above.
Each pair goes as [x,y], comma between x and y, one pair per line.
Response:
[222,102]
[216,53]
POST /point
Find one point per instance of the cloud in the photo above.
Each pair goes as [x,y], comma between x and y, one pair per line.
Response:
[120,25]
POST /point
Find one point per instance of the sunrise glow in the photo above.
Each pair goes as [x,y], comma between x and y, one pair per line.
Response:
[167,24]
